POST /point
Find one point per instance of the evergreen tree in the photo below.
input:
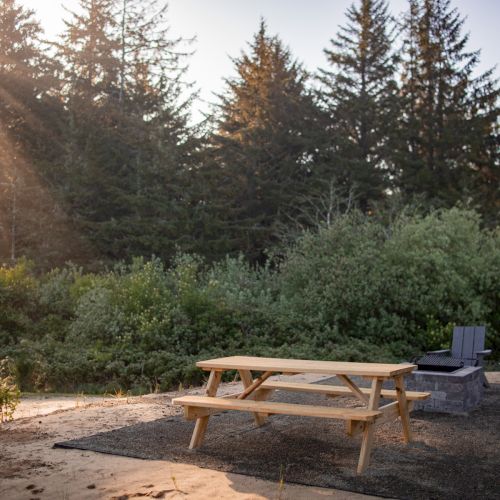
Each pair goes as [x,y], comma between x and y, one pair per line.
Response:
[263,146]
[31,222]
[155,104]
[449,122]
[87,52]
[29,107]
[128,139]
[360,96]
[149,57]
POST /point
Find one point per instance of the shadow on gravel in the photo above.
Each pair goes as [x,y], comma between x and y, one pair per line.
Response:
[451,456]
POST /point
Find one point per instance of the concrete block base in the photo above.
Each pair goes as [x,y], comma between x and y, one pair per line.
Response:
[457,392]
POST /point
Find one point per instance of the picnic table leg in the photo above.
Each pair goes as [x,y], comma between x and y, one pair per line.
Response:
[369,427]
[201,423]
[260,395]
[353,427]
[403,407]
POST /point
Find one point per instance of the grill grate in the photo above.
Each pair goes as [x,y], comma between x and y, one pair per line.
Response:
[436,363]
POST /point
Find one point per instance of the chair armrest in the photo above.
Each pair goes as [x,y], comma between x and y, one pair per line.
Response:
[480,355]
[484,353]
[441,352]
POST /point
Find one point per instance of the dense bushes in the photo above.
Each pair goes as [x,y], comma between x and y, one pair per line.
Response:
[358,290]
[9,392]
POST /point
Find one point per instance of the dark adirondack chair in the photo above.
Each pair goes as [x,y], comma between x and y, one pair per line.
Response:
[468,346]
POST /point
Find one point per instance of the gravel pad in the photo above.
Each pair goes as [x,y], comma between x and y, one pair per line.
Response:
[451,456]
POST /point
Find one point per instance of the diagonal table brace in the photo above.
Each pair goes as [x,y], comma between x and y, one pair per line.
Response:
[255,385]
[251,386]
[354,388]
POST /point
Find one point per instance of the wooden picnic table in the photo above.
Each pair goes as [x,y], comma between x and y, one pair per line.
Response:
[362,420]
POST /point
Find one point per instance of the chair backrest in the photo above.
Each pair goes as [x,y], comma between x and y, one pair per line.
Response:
[467,340]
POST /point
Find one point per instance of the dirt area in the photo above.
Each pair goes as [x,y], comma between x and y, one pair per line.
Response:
[36,405]
[33,469]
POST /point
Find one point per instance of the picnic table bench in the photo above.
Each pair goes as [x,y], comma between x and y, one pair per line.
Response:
[253,398]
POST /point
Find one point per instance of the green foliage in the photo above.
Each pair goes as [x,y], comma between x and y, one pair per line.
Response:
[449,121]
[9,392]
[398,285]
[18,303]
[265,138]
[358,290]
[360,95]
[125,147]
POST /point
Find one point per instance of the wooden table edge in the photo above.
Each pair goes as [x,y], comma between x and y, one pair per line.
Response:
[216,365]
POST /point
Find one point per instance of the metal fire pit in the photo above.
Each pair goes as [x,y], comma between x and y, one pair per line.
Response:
[435,363]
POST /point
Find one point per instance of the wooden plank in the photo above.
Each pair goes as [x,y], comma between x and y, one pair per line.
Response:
[261,395]
[479,338]
[254,385]
[390,412]
[272,407]
[337,390]
[246,378]
[353,427]
[192,413]
[458,342]
[202,422]
[403,408]
[305,366]
[367,443]
[248,383]
[353,388]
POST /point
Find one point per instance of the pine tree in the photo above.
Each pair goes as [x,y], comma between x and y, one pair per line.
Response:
[89,52]
[360,96]
[155,104]
[151,62]
[32,223]
[129,144]
[262,146]
[153,91]
[449,121]
[27,82]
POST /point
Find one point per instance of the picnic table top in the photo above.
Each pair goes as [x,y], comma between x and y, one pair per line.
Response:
[306,366]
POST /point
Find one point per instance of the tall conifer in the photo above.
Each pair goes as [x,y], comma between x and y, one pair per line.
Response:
[449,120]
[263,144]
[31,222]
[129,144]
[360,96]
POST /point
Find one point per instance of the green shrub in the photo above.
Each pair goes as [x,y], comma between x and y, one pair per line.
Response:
[395,286]
[18,302]
[358,290]
[9,392]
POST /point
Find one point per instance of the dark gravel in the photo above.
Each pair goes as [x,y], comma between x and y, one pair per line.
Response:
[451,456]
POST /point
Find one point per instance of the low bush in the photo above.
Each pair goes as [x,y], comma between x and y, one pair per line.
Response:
[358,290]
[9,392]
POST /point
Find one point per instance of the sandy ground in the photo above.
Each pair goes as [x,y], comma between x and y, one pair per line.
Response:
[32,469]
[36,405]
